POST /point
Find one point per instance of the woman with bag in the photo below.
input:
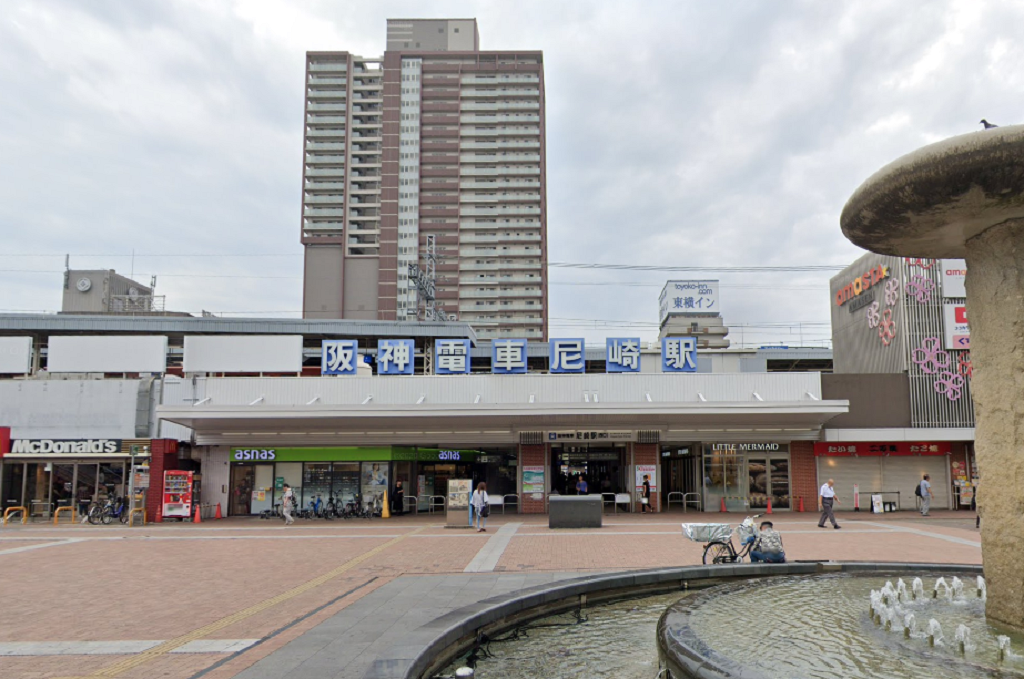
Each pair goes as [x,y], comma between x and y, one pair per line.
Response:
[645,498]
[481,510]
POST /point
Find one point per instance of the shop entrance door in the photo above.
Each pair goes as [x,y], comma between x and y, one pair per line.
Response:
[768,476]
[243,479]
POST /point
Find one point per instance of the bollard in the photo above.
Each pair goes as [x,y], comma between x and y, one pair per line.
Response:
[769,510]
[801,504]
[198,518]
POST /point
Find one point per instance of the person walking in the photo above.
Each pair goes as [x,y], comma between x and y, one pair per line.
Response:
[581,485]
[481,510]
[926,495]
[287,505]
[827,496]
[645,496]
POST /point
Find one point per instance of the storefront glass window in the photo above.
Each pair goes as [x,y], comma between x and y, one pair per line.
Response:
[112,480]
[63,477]
[374,481]
[290,473]
[316,482]
[721,480]
[14,476]
[86,490]
[346,482]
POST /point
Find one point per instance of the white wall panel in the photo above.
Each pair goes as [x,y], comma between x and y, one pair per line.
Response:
[243,354]
[107,354]
[15,355]
[502,389]
[69,409]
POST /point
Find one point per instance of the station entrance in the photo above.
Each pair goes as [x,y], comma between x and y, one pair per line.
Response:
[602,466]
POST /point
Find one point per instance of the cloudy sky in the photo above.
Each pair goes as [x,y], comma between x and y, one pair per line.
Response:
[679,134]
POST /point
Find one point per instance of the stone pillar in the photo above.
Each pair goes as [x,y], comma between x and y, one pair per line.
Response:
[995,307]
[533,456]
[803,475]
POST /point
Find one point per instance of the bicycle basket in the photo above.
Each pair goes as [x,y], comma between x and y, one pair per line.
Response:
[707,532]
[744,531]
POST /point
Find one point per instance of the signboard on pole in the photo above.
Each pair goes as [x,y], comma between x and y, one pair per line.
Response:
[957,331]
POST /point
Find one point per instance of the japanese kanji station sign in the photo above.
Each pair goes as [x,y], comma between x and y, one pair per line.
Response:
[508,356]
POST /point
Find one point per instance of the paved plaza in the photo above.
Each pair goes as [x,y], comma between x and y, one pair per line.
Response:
[253,599]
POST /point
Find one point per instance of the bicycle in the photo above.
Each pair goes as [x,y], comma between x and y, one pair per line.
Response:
[113,508]
[718,536]
[274,513]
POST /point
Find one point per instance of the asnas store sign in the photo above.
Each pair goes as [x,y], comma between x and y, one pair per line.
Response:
[254,454]
[65,447]
[861,283]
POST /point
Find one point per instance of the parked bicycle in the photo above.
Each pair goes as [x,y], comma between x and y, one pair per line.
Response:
[274,513]
[718,536]
[106,512]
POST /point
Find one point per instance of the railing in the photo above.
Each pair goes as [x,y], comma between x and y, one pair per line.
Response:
[411,501]
[436,502]
[13,510]
[684,499]
[56,514]
[506,502]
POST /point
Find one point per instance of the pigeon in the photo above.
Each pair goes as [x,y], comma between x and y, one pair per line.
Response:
[987,124]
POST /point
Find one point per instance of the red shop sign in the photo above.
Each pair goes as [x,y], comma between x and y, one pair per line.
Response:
[859,448]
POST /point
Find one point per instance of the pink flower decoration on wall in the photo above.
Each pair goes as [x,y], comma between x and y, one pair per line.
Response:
[873,316]
[892,291]
[920,288]
[887,328]
[930,357]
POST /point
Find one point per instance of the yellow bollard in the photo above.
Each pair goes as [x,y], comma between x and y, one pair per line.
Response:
[386,513]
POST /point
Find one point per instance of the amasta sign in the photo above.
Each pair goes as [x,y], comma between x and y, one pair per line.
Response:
[65,447]
[861,283]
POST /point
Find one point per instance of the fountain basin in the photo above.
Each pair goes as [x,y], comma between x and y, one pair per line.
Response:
[429,649]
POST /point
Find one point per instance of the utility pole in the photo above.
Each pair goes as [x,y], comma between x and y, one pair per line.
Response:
[426,284]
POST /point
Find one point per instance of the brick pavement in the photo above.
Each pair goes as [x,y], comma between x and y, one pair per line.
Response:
[165,582]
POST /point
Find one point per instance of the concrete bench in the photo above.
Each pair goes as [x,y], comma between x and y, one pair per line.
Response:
[575,511]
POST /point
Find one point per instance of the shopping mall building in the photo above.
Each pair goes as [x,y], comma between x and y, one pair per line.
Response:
[341,407]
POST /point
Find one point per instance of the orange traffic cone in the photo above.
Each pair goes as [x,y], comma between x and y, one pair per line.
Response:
[198,518]
[769,510]
[218,514]
[723,510]
[801,504]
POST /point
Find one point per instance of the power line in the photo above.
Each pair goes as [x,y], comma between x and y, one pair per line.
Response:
[723,269]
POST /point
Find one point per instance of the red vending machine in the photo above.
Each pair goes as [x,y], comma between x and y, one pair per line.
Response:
[177,495]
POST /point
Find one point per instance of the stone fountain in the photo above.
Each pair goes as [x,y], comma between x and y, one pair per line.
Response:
[964,198]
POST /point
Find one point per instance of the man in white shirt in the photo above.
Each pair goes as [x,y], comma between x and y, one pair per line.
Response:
[826,496]
[926,495]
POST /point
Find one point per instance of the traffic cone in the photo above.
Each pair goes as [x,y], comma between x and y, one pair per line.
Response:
[198,518]
[385,513]
[801,504]
[723,510]
[218,514]
[769,510]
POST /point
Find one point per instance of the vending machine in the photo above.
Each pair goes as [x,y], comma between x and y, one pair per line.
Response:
[177,495]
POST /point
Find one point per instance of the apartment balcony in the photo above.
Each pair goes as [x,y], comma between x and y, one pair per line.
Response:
[502,131]
[326,120]
[366,85]
[470,118]
[336,173]
[366,164]
[368,202]
[499,197]
[373,189]
[339,107]
[494,238]
[367,138]
[470,265]
[475,79]
[368,99]
[315,199]
[323,212]
[503,250]
[499,307]
[324,186]
[497,171]
[496,145]
[329,132]
[329,66]
[364,228]
[329,95]
[315,81]
[500,105]
[499,210]
[502,157]
[426,134]
[500,92]
[498,279]
[497,294]
[364,215]
[501,185]
[440,93]
[439,172]
[440,106]
[325,146]
[320,227]
[325,160]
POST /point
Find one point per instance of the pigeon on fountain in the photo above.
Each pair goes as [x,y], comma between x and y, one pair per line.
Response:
[987,124]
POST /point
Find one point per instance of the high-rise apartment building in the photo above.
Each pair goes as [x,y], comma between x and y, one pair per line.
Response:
[436,143]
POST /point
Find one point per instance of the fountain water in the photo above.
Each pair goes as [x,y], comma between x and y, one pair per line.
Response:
[918,588]
[982,589]
[962,636]
[909,626]
[934,632]
[957,588]
[901,590]
[947,590]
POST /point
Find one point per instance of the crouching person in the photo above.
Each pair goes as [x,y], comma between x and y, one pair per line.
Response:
[767,545]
